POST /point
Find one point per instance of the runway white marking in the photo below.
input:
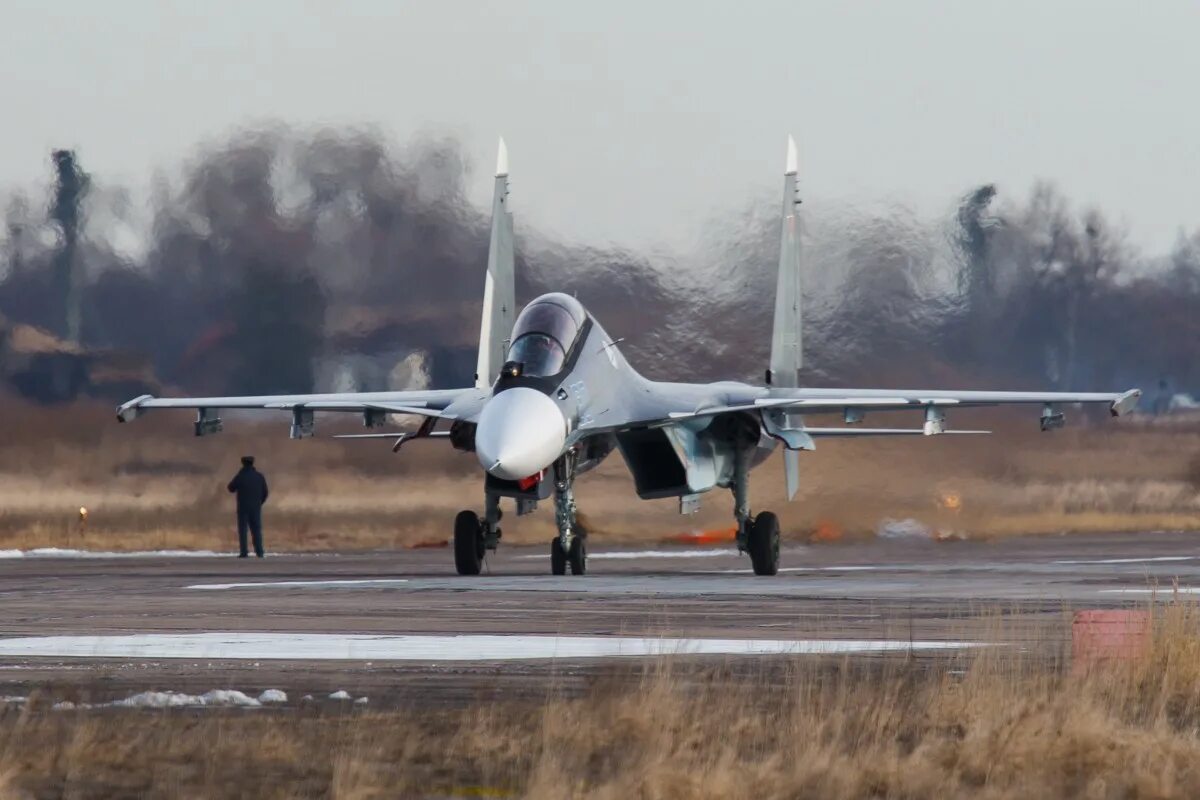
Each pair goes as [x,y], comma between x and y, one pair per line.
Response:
[342,647]
[847,568]
[305,584]
[1127,560]
[629,554]
[1163,591]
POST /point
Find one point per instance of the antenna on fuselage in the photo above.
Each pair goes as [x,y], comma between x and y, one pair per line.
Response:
[787,353]
[499,287]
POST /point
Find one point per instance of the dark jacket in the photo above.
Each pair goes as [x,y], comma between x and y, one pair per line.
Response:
[251,488]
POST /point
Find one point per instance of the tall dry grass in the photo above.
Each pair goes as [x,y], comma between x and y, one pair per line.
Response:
[995,723]
[151,484]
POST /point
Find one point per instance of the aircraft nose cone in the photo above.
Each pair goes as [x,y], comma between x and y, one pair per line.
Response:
[520,432]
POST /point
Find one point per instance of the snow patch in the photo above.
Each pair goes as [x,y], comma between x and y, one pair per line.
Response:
[214,698]
[157,700]
[12,699]
[228,697]
[273,696]
[340,694]
[58,552]
[362,701]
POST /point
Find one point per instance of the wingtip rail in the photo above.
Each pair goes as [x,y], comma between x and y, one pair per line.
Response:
[1125,402]
[128,412]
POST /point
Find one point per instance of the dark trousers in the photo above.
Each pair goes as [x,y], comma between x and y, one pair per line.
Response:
[250,518]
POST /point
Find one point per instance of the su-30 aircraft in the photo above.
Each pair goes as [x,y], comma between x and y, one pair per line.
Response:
[554,396]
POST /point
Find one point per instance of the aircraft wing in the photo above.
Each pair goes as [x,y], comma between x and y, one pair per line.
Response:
[816,401]
[453,404]
[671,404]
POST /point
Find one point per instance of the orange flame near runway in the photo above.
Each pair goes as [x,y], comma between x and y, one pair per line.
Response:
[722,536]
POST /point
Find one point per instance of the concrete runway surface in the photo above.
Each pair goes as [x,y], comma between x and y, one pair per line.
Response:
[401,625]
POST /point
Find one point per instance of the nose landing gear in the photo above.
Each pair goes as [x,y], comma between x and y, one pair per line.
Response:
[569,547]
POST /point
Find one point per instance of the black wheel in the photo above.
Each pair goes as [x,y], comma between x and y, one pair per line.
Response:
[558,559]
[468,543]
[577,556]
[764,544]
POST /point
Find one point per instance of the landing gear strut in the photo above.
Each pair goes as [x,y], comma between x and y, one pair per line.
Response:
[474,536]
[568,548]
[757,535]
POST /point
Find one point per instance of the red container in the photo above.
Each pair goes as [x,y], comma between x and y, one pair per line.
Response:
[1101,635]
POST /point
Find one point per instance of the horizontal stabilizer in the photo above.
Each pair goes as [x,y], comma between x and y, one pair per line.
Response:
[396,435]
[820,432]
[347,405]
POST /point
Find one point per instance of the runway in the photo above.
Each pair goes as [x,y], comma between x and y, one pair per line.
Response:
[179,622]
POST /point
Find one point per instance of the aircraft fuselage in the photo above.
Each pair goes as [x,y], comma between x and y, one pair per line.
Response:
[530,421]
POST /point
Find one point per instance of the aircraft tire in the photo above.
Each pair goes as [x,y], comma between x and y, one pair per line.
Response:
[764,544]
[577,556]
[468,544]
[558,559]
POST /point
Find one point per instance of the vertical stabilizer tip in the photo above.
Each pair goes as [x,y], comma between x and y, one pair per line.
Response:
[792,159]
[502,159]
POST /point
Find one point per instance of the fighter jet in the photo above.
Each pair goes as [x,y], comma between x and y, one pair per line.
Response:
[554,396]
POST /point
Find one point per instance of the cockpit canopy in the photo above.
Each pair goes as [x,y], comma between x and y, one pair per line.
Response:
[544,334]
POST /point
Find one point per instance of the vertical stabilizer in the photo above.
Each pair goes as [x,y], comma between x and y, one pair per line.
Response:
[499,288]
[786,341]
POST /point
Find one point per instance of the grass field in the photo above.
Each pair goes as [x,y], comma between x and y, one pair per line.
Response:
[152,484]
[995,723]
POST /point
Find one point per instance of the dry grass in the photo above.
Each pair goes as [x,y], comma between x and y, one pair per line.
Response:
[151,484]
[996,724]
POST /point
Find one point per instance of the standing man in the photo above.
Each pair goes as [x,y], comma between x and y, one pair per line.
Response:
[251,489]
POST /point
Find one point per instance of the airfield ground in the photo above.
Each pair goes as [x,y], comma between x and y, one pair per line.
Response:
[902,668]
[879,599]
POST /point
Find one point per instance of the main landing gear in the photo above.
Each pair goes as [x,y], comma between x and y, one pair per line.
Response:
[569,547]
[474,536]
[757,535]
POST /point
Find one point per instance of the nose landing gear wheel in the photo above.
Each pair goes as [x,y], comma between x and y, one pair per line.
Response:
[763,544]
[577,556]
[468,543]
[558,559]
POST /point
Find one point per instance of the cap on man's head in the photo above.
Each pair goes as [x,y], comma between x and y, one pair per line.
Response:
[248,461]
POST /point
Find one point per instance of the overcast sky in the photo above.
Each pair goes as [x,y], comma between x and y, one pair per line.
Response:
[637,122]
